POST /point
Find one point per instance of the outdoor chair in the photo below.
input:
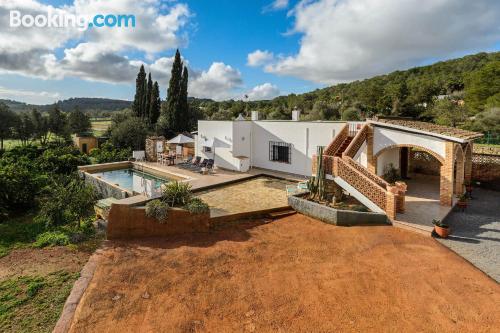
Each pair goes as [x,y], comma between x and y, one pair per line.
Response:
[139,155]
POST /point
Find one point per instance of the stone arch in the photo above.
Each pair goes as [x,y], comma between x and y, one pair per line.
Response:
[458,170]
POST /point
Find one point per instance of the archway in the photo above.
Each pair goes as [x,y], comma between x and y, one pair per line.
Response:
[423,170]
[458,171]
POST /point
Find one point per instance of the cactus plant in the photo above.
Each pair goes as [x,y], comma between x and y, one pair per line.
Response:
[316,184]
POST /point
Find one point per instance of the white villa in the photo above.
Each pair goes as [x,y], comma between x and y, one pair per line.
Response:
[435,161]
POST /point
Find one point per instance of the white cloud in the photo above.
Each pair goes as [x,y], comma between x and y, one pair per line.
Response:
[276,5]
[263,91]
[31,97]
[259,58]
[218,82]
[344,40]
[98,52]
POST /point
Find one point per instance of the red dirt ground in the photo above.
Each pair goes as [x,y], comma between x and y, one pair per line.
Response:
[292,275]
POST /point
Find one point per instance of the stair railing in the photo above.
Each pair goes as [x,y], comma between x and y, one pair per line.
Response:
[332,148]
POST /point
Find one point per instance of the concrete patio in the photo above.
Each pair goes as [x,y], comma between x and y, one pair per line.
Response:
[422,204]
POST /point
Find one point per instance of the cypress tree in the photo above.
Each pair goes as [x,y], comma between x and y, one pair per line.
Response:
[140,93]
[169,118]
[183,102]
[149,91]
[154,111]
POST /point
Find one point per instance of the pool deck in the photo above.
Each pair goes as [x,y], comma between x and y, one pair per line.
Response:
[218,177]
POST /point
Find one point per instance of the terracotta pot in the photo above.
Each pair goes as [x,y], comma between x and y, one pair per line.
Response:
[462,204]
[442,232]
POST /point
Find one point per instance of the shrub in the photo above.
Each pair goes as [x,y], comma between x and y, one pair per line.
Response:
[19,186]
[51,238]
[176,193]
[391,174]
[62,159]
[197,206]
[157,209]
[129,133]
[108,153]
[68,200]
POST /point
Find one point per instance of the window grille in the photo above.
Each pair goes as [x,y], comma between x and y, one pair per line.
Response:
[280,152]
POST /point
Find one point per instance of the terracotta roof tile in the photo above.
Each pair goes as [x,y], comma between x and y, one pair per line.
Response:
[431,128]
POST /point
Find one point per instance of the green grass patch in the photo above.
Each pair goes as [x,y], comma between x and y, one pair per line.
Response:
[18,232]
[100,126]
[34,303]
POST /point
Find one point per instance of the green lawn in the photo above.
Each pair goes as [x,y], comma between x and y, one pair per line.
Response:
[34,303]
[18,232]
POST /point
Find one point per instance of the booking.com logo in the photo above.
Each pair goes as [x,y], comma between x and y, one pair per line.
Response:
[64,20]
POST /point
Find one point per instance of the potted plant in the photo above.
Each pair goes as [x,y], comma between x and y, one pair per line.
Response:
[440,228]
[462,201]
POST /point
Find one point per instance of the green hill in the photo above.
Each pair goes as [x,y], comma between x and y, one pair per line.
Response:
[413,92]
[85,104]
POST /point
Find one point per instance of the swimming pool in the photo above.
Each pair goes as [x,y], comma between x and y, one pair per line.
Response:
[134,180]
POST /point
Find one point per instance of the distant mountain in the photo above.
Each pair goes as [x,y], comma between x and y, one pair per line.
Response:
[85,104]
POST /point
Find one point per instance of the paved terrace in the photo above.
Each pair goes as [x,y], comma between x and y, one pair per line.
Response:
[422,204]
[475,233]
[218,177]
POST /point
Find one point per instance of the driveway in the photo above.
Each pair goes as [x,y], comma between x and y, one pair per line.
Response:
[476,232]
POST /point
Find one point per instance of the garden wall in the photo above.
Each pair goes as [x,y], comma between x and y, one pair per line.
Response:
[335,216]
[486,169]
[424,163]
[128,222]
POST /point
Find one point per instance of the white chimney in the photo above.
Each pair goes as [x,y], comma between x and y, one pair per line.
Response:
[295,114]
[255,115]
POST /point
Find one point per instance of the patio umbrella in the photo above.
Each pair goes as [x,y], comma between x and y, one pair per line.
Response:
[181,139]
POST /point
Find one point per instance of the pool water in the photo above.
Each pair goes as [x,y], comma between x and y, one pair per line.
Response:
[134,180]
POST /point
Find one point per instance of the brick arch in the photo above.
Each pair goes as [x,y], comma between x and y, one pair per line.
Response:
[431,152]
[468,162]
[459,168]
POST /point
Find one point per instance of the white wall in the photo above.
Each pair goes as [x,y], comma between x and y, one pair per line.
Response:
[387,157]
[222,133]
[385,137]
[251,139]
[242,139]
[304,137]
[361,157]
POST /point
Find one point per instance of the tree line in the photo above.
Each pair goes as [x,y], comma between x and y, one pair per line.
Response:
[461,92]
[28,127]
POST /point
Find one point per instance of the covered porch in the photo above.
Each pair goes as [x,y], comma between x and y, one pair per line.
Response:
[434,161]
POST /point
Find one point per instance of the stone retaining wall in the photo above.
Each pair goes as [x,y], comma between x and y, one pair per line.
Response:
[335,216]
[103,188]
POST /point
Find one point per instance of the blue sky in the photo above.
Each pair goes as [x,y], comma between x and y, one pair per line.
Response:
[232,48]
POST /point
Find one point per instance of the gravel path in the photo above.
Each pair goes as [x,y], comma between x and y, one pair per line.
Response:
[475,233]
